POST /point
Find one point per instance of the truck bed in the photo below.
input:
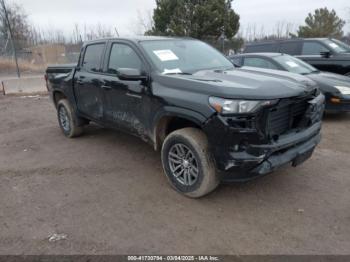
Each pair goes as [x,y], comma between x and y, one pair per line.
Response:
[60,69]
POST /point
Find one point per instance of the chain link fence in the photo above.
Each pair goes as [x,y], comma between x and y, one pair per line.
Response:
[33,59]
[226,46]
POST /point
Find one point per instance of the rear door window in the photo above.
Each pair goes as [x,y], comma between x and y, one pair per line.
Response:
[313,48]
[259,62]
[93,56]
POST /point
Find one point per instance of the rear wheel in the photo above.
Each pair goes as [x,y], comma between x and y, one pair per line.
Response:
[68,120]
[188,164]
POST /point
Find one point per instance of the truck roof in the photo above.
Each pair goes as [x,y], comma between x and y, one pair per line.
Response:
[138,38]
[259,54]
[285,40]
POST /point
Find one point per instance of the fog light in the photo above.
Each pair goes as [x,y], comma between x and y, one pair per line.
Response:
[335,100]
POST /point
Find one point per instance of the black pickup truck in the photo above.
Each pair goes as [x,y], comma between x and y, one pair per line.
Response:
[211,121]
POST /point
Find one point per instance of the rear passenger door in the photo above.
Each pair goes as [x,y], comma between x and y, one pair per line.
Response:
[87,82]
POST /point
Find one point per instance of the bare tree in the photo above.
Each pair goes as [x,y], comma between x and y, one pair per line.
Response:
[281,30]
[9,24]
[77,37]
[18,22]
[99,30]
[143,23]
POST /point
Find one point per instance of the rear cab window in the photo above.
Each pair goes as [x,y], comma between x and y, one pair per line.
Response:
[93,57]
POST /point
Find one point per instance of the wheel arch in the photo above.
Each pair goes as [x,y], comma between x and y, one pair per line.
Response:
[171,119]
[57,95]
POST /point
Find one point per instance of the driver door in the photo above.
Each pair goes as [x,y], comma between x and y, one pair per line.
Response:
[124,100]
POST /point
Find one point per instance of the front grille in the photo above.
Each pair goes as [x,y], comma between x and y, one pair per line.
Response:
[286,116]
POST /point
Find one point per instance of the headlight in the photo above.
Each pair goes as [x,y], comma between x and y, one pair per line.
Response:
[228,106]
[345,90]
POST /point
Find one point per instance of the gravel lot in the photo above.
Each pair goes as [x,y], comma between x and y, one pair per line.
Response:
[105,193]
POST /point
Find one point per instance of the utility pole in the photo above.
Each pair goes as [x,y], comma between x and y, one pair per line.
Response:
[223,38]
[11,35]
[116,31]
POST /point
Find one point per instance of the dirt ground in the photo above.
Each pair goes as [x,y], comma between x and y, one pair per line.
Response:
[105,193]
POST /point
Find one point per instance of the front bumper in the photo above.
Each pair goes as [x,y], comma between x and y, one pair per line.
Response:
[293,150]
[245,153]
[338,104]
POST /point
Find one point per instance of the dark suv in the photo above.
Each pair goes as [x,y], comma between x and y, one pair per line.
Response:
[210,121]
[325,54]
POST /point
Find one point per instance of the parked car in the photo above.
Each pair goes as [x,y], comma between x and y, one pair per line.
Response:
[335,87]
[325,54]
[210,121]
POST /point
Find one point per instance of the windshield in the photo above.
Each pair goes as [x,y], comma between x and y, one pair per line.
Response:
[184,56]
[337,46]
[294,65]
[342,45]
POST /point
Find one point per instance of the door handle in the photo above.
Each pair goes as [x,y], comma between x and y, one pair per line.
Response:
[79,82]
[106,87]
[133,95]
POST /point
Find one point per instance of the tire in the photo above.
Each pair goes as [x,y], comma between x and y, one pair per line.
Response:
[188,164]
[68,120]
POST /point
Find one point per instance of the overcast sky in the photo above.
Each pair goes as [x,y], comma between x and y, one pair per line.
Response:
[63,14]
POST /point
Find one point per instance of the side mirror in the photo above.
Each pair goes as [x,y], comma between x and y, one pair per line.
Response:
[236,64]
[130,74]
[326,54]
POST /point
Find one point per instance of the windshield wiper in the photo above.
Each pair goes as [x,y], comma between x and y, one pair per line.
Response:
[312,72]
[178,73]
[224,69]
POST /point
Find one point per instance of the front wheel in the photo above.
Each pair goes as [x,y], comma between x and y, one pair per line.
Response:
[188,164]
[68,120]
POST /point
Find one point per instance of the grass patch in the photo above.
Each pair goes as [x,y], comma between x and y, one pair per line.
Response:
[9,66]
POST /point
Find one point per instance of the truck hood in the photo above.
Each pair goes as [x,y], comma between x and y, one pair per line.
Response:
[333,78]
[242,83]
[328,81]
